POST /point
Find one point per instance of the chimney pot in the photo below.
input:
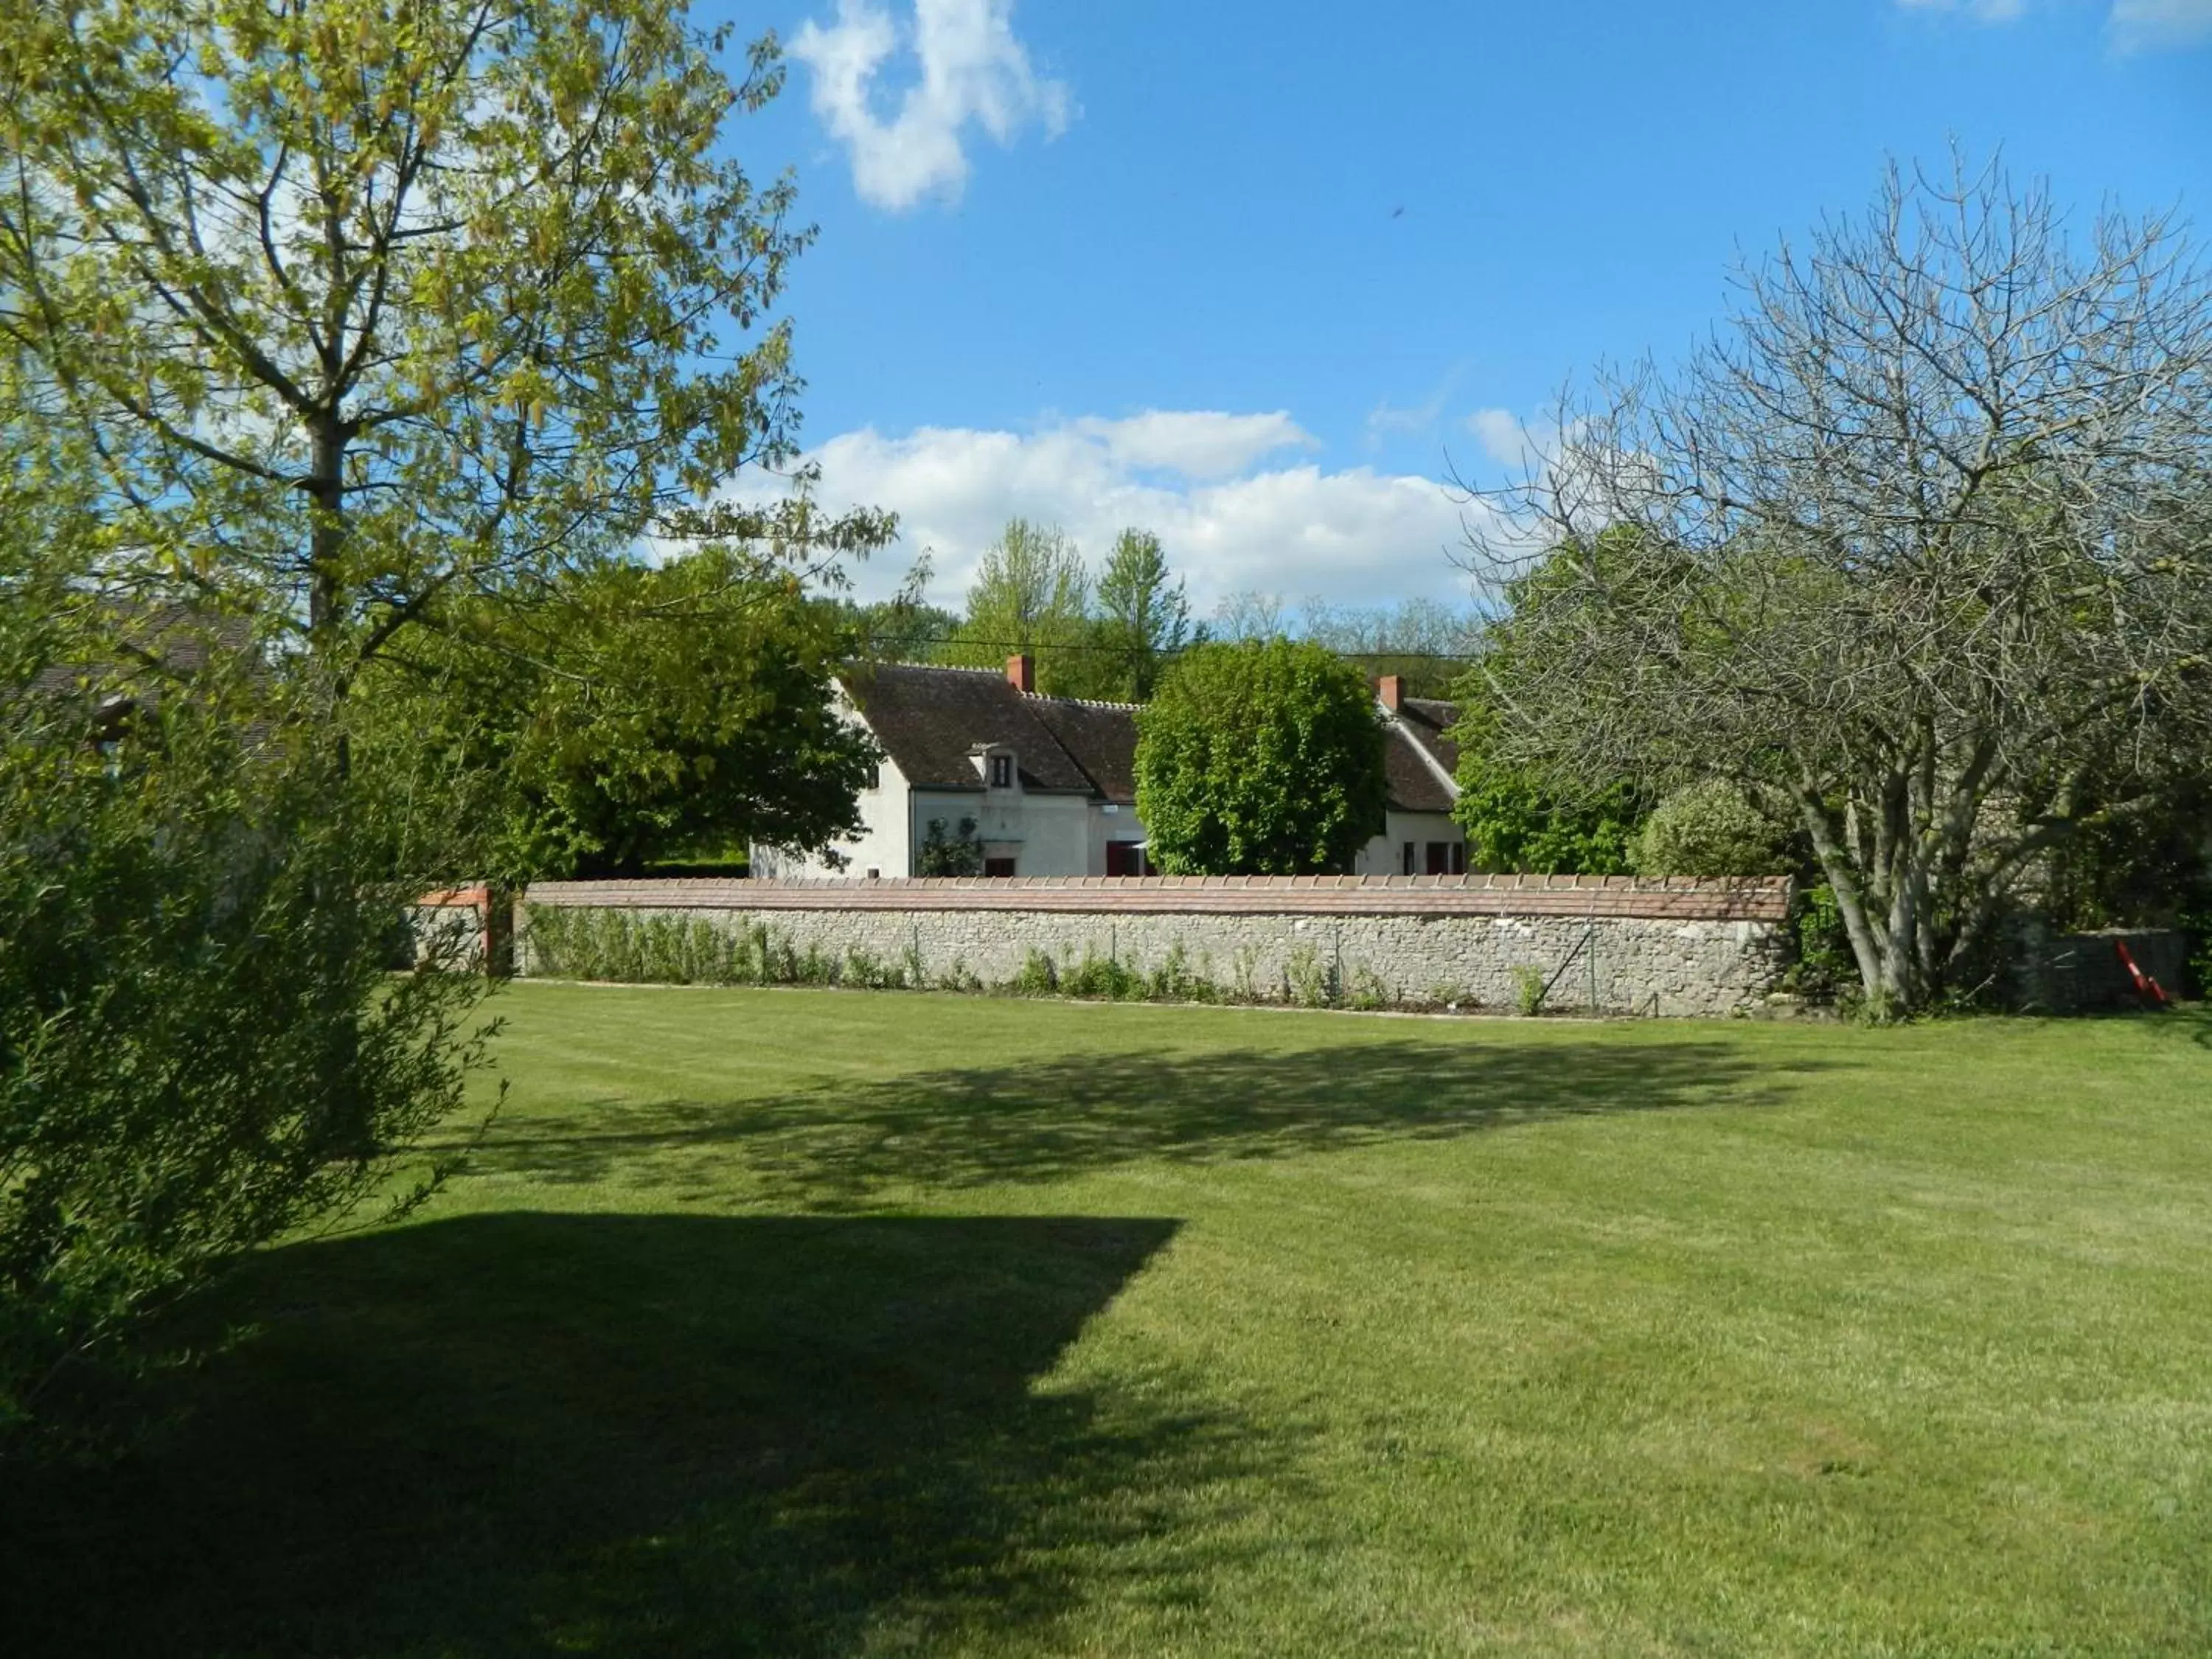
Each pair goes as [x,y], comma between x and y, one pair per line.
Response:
[1021,673]
[1392,690]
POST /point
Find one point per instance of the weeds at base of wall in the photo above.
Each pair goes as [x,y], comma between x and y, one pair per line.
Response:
[1369,990]
[624,947]
[1529,989]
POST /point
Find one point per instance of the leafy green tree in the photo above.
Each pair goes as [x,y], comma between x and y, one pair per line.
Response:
[1143,620]
[361,320]
[363,305]
[200,1049]
[636,713]
[1031,594]
[1514,822]
[1260,759]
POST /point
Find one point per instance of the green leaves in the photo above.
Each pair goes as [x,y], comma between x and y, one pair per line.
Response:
[1260,759]
[200,1047]
[629,712]
[392,298]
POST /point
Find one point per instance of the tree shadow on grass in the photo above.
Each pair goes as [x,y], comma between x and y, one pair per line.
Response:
[530,1433]
[1046,1119]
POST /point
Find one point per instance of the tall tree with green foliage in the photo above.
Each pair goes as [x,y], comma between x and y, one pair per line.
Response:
[1143,619]
[1522,816]
[1516,821]
[357,319]
[1031,595]
[366,306]
[1260,759]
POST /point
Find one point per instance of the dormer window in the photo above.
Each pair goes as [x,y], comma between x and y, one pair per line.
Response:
[1002,771]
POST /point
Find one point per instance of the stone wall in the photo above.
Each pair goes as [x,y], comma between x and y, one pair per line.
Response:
[1611,944]
[453,927]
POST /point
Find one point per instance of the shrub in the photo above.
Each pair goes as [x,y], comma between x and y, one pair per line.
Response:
[1529,989]
[1244,967]
[1102,977]
[201,1047]
[956,853]
[1825,967]
[1306,982]
[1038,976]
[1176,981]
[1710,828]
[1368,989]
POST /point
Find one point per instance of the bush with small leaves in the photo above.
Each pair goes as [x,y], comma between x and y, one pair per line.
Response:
[1710,828]
[202,1045]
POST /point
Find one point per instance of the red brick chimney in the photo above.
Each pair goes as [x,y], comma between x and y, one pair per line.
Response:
[1021,674]
[1392,689]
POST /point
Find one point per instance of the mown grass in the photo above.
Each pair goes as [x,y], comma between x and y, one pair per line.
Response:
[822,1323]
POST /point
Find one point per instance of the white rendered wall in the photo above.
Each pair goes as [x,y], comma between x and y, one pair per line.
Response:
[1384,855]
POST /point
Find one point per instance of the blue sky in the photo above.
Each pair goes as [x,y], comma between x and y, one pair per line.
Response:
[1250,274]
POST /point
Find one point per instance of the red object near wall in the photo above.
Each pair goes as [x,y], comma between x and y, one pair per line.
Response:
[2146,988]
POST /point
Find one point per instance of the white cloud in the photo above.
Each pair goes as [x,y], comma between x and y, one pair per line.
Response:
[1503,437]
[1388,419]
[1231,524]
[2144,25]
[970,69]
[1196,443]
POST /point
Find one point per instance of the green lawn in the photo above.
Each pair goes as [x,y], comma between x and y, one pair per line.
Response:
[819,1323]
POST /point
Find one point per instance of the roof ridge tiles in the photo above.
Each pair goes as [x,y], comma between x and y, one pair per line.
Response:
[1081,702]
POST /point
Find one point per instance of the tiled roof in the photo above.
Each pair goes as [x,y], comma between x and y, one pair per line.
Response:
[930,721]
[1420,756]
[172,641]
[1101,737]
[1413,785]
[1428,721]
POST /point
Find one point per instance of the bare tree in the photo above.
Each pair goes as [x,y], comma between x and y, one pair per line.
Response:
[1917,544]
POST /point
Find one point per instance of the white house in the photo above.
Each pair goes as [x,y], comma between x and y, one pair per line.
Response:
[1421,764]
[1048,783]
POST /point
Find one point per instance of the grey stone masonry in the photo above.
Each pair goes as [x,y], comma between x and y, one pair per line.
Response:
[1607,943]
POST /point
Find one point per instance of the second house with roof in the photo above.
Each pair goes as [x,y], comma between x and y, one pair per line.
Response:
[1049,784]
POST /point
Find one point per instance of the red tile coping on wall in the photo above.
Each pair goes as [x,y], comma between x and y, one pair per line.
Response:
[1764,898]
[454,897]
